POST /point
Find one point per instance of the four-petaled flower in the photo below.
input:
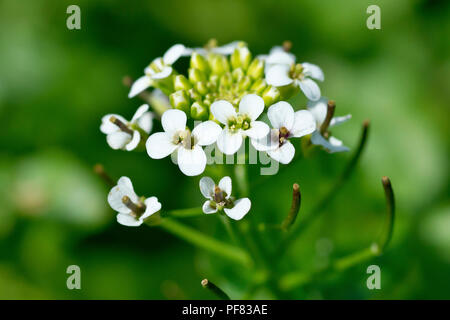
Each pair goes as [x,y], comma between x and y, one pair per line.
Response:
[282,73]
[132,210]
[219,198]
[160,68]
[239,124]
[286,124]
[319,110]
[177,138]
[126,135]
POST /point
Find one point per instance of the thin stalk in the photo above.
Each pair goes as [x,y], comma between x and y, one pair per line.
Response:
[326,200]
[206,242]
[295,208]
[214,289]
[386,235]
[184,213]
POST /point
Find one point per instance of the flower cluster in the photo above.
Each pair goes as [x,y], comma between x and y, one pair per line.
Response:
[225,97]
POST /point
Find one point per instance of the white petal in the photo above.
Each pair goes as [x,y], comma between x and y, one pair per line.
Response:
[159,145]
[338,120]
[229,143]
[278,75]
[225,185]
[107,126]
[281,114]
[173,120]
[173,54]
[226,49]
[304,123]
[258,129]
[251,105]
[313,71]
[207,209]
[222,110]
[192,162]
[152,206]
[240,209]
[139,112]
[134,141]
[319,109]
[140,85]
[207,186]
[310,89]
[269,142]
[145,122]
[332,145]
[283,154]
[128,220]
[207,132]
[123,188]
[164,73]
[279,56]
[118,140]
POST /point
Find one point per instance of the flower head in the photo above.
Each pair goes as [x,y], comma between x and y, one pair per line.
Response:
[277,55]
[239,124]
[159,69]
[286,124]
[126,135]
[132,210]
[219,198]
[282,73]
[178,138]
[323,111]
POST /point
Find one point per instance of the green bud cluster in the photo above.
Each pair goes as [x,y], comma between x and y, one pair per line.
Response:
[217,77]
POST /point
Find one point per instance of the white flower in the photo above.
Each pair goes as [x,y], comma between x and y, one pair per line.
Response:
[132,210]
[123,134]
[277,55]
[319,110]
[279,75]
[159,69]
[286,124]
[219,198]
[177,138]
[212,47]
[240,124]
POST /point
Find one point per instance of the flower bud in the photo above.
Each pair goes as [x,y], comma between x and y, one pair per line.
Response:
[199,62]
[219,64]
[226,80]
[180,82]
[241,58]
[270,95]
[194,95]
[196,75]
[199,111]
[201,87]
[238,74]
[259,86]
[244,83]
[256,69]
[180,100]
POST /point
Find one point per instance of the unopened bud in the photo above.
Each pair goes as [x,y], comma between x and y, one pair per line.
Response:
[226,80]
[180,100]
[196,75]
[199,62]
[237,74]
[256,69]
[241,58]
[245,83]
[259,86]
[201,87]
[199,111]
[270,95]
[180,82]
[219,64]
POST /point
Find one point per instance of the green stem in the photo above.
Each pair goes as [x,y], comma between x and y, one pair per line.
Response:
[326,200]
[184,213]
[205,242]
[215,289]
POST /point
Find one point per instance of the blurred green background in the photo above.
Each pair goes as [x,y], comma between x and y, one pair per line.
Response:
[55,85]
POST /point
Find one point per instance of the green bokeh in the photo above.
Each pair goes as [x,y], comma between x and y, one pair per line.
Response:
[56,84]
